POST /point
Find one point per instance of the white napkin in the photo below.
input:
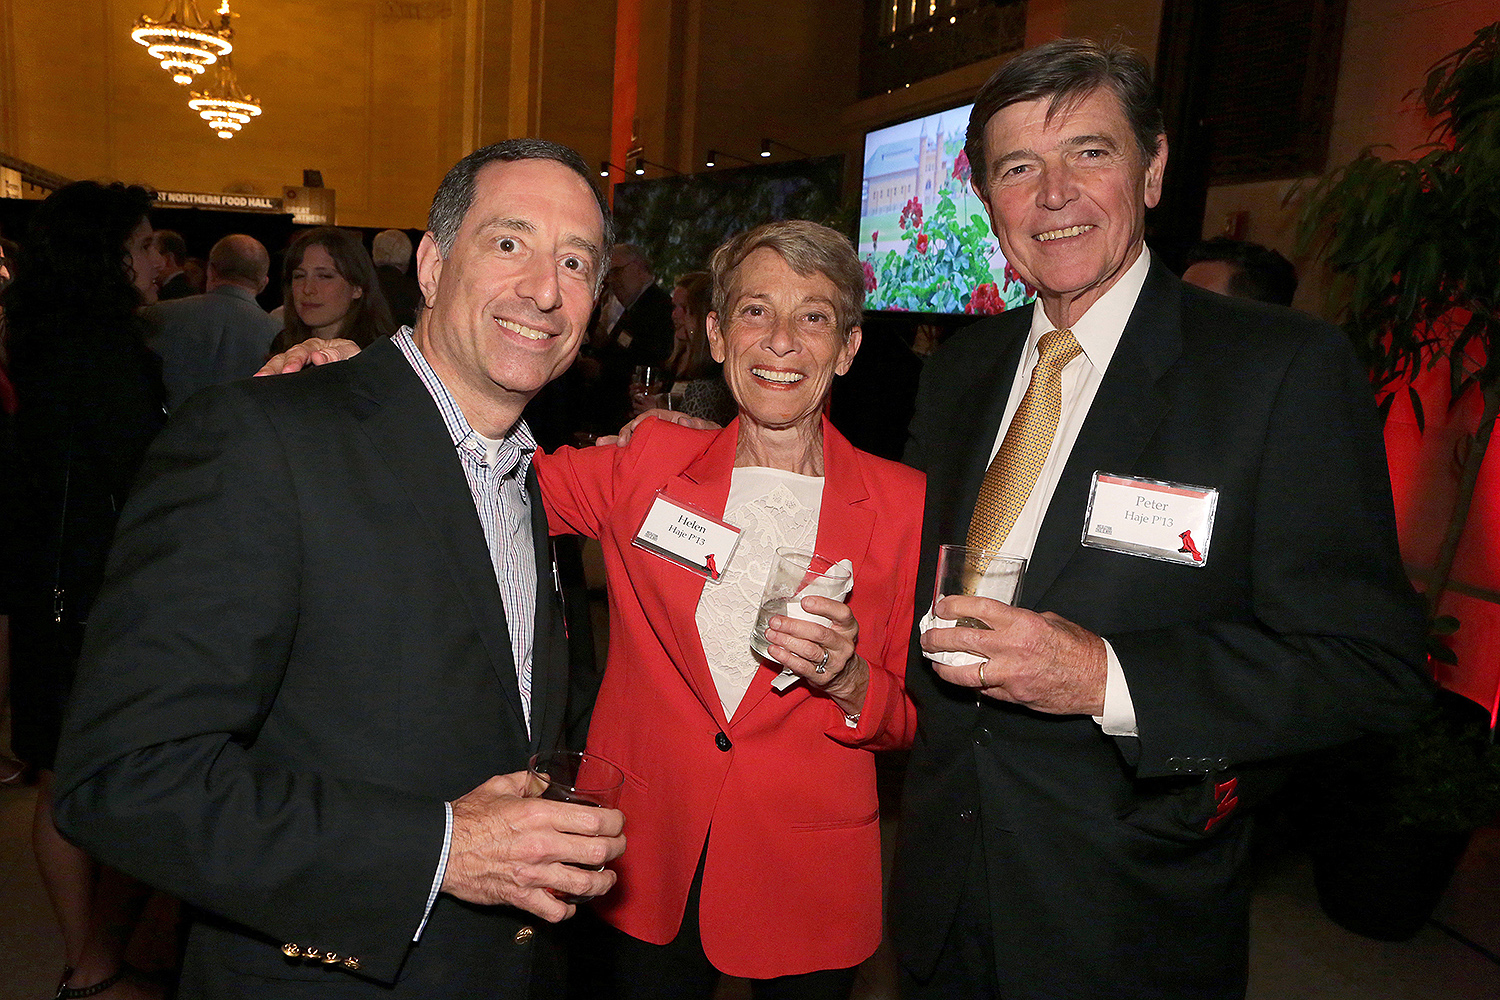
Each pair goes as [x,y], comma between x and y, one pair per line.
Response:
[794,609]
[951,658]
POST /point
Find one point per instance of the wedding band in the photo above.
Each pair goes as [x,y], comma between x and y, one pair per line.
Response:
[981,675]
[822,667]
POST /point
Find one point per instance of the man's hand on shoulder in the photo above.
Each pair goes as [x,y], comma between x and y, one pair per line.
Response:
[313,351]
[512,850]
[1041,661]
[670,416]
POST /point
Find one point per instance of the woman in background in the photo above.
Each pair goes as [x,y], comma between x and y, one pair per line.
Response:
[89,402]
[329,289]
[698,387]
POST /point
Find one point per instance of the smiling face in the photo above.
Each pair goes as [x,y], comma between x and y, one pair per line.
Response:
[321,295]
[143,261]
[509,304]
[1068,197]
[779,341]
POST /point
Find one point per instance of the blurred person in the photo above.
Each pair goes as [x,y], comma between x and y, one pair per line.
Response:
[329,289]
[329,641]
[697,382]
[196,269]
[640,335]
[1243,270]
[391,251]
[218,336]
[12,771]
[173,281]
[90,403]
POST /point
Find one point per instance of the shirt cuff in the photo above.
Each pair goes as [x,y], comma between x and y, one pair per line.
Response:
[442,869]
[1119,711]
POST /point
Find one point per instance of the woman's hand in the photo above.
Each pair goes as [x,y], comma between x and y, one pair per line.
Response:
[823,655]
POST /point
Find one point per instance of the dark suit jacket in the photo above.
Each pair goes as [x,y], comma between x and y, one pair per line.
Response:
[176,287]
[207,339]
[1107,873]
[644,330]
[299,654]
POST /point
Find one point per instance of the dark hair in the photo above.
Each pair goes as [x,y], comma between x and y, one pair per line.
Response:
[807,248]
[73,270]
[456,193]
[694,360]
[171,244]
[369,315]
[1064,72]
[1260,273]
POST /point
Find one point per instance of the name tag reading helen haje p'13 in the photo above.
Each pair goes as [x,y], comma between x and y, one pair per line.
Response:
[1147,517]
[687,536]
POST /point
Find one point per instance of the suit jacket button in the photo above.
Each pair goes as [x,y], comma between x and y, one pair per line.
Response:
[331,958]
[291,951]
[312,953]
[351,963]
[966,815]
[524,934]
[983,737]
[722,742]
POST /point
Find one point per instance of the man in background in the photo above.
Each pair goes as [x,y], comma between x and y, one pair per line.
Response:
[173,282]
[391,251]
[221,335]
[1241,269]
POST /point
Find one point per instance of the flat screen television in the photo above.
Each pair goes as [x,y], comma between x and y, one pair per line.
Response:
[923,234]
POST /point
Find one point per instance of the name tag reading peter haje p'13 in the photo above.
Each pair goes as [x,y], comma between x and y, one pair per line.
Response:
[1172,522]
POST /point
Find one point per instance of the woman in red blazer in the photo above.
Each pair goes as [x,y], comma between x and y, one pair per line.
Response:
[754,840]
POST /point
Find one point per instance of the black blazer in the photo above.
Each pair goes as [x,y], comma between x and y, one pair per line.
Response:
[299,654]
[1107,873]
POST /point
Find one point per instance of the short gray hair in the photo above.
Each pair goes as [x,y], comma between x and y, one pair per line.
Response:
[1064,72]
[392,247]
[239,258]
[456,193]
[808,249]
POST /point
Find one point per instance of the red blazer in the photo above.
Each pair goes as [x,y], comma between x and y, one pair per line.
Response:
[784,793]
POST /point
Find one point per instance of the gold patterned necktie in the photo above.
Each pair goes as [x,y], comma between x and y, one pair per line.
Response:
[1014,470]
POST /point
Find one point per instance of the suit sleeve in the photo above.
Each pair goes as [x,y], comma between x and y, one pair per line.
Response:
[1334,646]
[159,773]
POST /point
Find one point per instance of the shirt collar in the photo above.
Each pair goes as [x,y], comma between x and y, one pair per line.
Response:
[1098,330]
[513,451]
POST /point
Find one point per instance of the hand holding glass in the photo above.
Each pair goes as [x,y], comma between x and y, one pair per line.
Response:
[581,778]
[648,388]
[795,575]
[966,571]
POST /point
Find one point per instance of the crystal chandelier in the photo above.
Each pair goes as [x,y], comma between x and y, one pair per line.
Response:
[224,105]
[185,43]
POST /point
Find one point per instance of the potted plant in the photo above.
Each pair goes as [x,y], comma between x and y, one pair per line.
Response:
[1414,245]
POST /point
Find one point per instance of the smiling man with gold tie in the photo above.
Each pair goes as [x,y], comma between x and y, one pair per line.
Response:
[1214,584]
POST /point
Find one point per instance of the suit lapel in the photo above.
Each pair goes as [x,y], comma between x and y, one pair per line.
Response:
[1125,414]
[405,428]
[704,484]
[549,649]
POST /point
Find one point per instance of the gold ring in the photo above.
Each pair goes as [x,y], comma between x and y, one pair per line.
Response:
[981,675]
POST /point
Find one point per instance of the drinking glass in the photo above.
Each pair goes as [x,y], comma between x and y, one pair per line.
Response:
[648,388]
[582,778]
[964,570]
[795,575]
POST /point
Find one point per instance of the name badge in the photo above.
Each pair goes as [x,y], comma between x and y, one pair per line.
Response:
[687,536]
[1147,517]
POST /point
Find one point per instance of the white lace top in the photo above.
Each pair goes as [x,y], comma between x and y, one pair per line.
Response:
[771,508]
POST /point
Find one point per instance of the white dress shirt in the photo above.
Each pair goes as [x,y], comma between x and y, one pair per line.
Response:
[1098,333]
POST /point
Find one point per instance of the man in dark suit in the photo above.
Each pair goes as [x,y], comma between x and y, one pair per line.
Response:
[329,641]
[391,251]
[173,282]
[221,335]
[643,333]
[1076,811]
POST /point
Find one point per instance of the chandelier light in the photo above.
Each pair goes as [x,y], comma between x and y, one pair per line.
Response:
[184,42]
[224,105]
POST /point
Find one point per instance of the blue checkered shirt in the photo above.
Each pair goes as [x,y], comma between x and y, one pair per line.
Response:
[496,471]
